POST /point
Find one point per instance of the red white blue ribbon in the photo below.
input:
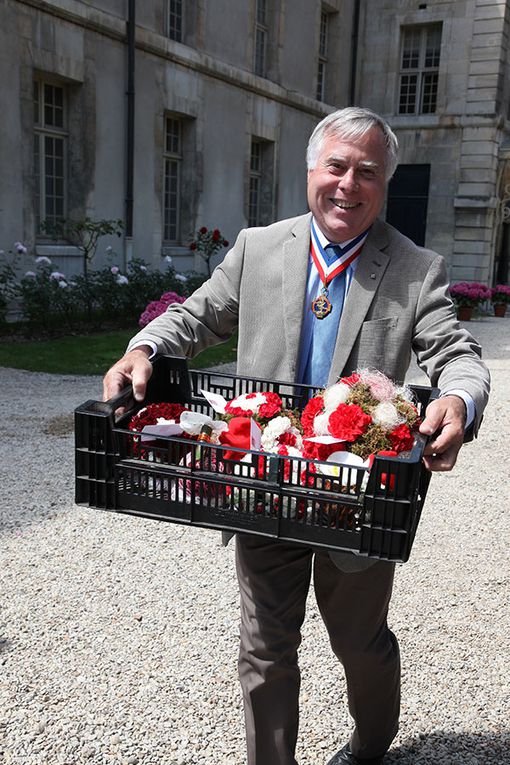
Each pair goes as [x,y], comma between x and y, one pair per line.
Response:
[328,264]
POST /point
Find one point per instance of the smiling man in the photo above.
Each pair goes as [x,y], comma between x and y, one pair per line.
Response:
[314,298]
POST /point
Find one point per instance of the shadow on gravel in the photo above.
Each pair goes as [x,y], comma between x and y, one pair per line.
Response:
[453,749]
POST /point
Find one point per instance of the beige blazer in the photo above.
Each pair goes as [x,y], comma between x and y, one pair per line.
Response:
[397,304]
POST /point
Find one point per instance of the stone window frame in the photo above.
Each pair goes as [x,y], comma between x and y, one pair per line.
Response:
[419,66]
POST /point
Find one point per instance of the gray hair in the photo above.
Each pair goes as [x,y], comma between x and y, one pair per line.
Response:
[352,122]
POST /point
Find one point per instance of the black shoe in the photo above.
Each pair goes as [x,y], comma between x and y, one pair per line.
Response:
[346,757]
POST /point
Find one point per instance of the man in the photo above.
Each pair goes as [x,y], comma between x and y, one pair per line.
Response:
[388,297]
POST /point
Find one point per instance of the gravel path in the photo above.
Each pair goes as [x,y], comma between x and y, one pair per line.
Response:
[118,636]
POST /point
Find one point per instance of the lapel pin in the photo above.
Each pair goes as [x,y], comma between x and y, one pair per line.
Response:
[372,276]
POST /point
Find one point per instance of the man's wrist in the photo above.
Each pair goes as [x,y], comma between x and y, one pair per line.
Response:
[469,404]
[146,350]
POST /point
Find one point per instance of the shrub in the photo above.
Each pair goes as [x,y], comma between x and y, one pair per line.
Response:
[207,243]
[8,287]
[156,307]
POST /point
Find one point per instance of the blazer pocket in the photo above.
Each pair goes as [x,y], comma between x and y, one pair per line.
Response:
[378,342]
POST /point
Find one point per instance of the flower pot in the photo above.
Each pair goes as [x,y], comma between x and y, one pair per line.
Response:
[500,309]
[465,312]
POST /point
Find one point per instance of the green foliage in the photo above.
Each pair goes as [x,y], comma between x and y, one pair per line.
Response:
[49,299]
[8,287]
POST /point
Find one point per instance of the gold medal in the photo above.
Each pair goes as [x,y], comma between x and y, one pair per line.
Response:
[321,305]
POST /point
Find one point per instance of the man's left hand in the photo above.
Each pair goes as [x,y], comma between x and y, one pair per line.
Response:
[445,420]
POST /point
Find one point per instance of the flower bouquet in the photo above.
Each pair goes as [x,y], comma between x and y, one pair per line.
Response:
[331,444]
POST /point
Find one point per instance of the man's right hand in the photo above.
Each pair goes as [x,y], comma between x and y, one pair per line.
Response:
[132,369]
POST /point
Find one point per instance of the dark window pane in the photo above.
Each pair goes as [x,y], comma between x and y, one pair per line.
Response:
[321,70]
[175,20]
[261,11]
[411,49]
[429,93]
[408,83]
[433,47]
[36,103]
[323,39]
[260,52]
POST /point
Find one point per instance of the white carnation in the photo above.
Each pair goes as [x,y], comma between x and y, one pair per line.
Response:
[321,424]
[249,404]
[335,395]
[276,428]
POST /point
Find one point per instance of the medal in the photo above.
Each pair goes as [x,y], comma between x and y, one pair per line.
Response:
[321,305]
[328,268]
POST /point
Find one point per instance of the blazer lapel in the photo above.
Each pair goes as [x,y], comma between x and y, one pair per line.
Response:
[367,277]
[296,254]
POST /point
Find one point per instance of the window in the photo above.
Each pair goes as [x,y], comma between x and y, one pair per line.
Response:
[50,152]
[260,191]
[172,179]
[261,32]
[323,54]
[174,25]
[419,69]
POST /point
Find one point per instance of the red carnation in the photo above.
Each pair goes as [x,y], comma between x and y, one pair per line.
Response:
[401,438]
[225,243]
[271,407]
[193,246]
[314,451]
[350,381]
[287,439]
[311,410]
[215,235]
[203,230]
[348,422]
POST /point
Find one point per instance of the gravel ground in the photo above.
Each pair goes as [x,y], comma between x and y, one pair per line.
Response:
[118,636]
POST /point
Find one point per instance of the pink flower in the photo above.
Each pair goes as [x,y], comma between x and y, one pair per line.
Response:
[157,307]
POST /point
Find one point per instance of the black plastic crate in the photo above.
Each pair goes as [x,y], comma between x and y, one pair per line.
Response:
[371,513]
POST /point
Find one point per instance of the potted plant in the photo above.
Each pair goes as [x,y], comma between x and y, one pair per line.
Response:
[500,297]
[467,296]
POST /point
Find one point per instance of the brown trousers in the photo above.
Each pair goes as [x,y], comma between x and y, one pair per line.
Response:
[274,579]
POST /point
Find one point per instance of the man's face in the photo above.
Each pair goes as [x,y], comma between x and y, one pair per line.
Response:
[346,189]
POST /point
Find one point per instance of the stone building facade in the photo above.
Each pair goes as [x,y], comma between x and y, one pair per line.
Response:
[173,114]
